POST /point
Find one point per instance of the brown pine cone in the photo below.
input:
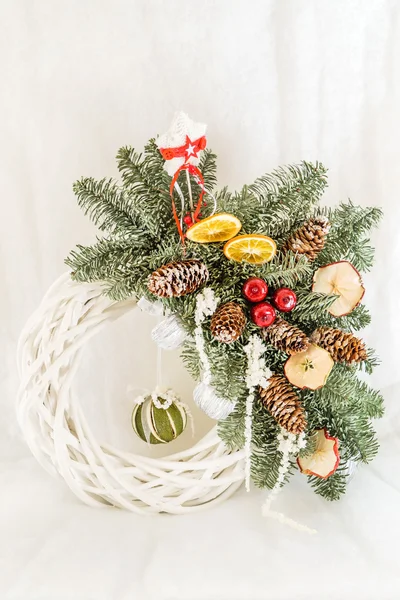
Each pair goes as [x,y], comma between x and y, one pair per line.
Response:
[309,239]
[178,278]
[228,322]
[284,404]
[286,337]
[342,346]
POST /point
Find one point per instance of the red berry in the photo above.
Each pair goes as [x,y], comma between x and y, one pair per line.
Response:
[263,314]
[284,299]
[188,220]
[255,289]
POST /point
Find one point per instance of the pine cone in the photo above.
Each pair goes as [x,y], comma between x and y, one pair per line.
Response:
[342,346]
[309,239]
[284,404]
[286,337]
[178,278]
[228,322]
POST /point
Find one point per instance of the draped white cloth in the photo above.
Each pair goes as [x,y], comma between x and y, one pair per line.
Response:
[277,82]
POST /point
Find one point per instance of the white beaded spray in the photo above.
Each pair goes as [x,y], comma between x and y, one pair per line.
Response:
[289,444]
[204,394]
[257,374]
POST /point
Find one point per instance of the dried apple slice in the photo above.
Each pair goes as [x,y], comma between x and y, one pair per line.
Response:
[343,279]
[325,459]
[309,369]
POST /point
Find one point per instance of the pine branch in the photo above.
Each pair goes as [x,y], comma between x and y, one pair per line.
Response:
[361,255]
[100,261]
[287,272]
[121,288]
[286,179]
[246,207]
[152,202]
[286,197]
[371,363]
[231,429]
[358,319]
[312,306]
[333,487]
[345,393]
[106,205]
[128,162]
[349,225]
[208,168]
[266,459]
[312,313]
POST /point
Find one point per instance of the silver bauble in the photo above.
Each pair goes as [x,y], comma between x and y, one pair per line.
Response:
[169,334]
[207,400]
[151,308]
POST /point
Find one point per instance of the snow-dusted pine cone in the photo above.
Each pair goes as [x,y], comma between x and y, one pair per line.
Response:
[178,278]
[286,337]
[284,404]
[309,239]
[228,322]
[342,346]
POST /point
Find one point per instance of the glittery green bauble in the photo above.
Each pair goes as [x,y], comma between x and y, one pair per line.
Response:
[158,425]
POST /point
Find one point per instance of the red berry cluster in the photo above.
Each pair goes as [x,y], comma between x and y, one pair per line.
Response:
[263,314]
[187,219]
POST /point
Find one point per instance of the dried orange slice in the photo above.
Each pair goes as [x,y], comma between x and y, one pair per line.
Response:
[253,248]
[217,228]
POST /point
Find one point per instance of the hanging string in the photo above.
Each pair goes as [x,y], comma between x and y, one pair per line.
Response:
[182,197]
[159,377]
[207,192]
[190,192]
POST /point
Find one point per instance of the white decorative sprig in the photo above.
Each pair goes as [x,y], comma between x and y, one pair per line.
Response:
[289,444]
[206,303]
[204,394]
[257,374]
[161,397]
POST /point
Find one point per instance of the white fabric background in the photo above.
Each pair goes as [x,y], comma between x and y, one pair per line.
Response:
[277,82]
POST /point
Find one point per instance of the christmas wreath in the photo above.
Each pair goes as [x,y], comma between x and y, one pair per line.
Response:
[262,290]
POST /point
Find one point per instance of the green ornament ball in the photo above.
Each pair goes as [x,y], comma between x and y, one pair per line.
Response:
[158,425]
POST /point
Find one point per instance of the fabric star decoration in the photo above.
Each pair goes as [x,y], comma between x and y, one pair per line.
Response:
[190,149]
[182,143]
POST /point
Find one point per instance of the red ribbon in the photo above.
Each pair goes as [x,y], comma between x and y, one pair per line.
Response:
[182,152]
[199,179]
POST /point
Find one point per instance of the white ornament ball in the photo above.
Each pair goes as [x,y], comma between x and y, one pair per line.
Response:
[151,308]
[207,400]
[169,334]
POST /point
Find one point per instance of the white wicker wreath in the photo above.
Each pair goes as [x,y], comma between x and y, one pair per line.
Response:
[60,438]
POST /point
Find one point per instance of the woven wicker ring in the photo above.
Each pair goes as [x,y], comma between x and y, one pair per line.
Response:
[60,438]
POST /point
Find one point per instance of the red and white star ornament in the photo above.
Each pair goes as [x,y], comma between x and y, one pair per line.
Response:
[182,143]
[181,147]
